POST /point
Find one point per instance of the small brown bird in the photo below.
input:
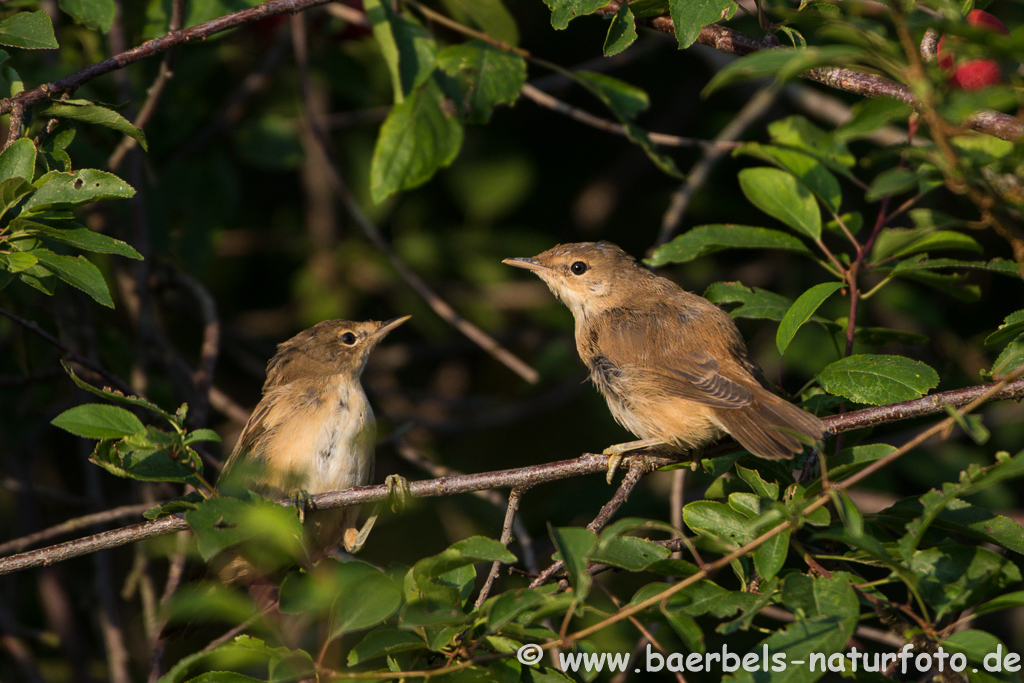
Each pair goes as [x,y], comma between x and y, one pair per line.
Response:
[314,431]
[672,365]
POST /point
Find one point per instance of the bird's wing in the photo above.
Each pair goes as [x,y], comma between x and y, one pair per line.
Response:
[247,442]
[670,360]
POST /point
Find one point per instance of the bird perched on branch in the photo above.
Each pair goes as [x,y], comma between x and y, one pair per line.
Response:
[672,365]
[313,431]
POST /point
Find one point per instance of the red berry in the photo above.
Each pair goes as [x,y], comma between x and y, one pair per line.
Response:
[976,74]
[973,74]
[982,19]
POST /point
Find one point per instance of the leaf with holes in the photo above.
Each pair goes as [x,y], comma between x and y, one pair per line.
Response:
[878,379]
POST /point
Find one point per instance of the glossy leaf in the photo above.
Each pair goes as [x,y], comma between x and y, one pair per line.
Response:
[65,190]
[487,77]
[877,380]
[98,421]
[18,161]
[30,30]
[409,50]
[418,137]
[806,168]
[564,11]
[80,237]
[708,239]
[90,112]
[78,272]
[754,301]
[93,14]
[801,311]
[621,31]
[690,16]
[383,641]
[781,196]
[574,545]
[356,595]
[783,65]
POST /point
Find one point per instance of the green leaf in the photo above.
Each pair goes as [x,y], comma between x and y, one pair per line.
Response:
[690,16]
[18,261]
[574,545]
[1008,601]
[801,311]
[719,522]
[12,191]
[893,181]
[147,456]
[1011,327]
[409,49]
[809,598]
[490,16]
[782,196]
[486,75]
[30,30]
[977,646]
[94,14]
[629,553]
[708,239]
[954,576]
[502,609]
[356,595]
[384,641]
[78,272]
[115,396]
[878,379]
[754,301]
[66,190]
[80,237]
[90,112]
[870,114]
[1011,358]
[770,556]
[753,479]
[271,533]
[436,577]
[417,138]
[98,421]
[564,11]
[807,168]
[784,63]
[18,161]
[621,31]
[800,641]
[799,133]
[898,242]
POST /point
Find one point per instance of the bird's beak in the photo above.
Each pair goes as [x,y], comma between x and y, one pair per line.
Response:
[527,262]
[389,325]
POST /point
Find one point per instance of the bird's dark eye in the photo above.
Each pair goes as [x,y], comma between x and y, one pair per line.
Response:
[578,268]
[348,338]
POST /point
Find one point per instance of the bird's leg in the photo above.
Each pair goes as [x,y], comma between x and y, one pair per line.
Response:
[303,504]
[398,493]
[616,452]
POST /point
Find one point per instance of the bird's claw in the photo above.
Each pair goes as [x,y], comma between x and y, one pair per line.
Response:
[303,504]
[398,491]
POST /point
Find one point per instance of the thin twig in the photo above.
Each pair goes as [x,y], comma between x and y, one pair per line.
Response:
[70,353]
[155,91]
[543,99]
[506,536]
[638,467]
[755,107]
[76,524]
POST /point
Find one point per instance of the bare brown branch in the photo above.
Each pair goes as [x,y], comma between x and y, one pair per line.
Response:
[524,477]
